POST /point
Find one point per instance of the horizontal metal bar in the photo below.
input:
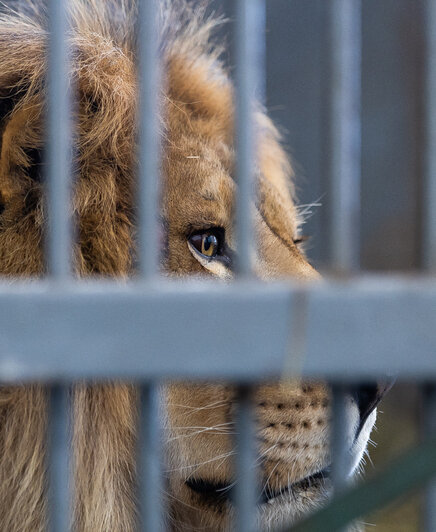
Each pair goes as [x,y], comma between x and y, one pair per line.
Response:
[408,472]
[354,330]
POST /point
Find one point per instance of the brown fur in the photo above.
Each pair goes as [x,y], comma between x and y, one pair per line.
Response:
[198,161]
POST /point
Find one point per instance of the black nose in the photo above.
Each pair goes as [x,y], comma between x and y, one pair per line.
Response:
[367,397]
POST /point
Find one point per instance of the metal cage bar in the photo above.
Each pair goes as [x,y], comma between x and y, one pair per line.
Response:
[339,441]
[148,151]
[151,489]
[150,475]
[344,181]
[429,432]
[58,463]
[59,235]
[246,477]
[249,26]
[429,153]
[79,332]
[429,225]
[59,245]
[249,44]
[344,134]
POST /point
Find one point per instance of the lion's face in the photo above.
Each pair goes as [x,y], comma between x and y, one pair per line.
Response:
[292,417]
[197,238]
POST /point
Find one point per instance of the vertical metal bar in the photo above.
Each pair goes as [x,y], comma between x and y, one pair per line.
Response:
[58,463]
[59,245]
[344,134]
[429,152]
[149,452]
[246,478]
[58,147]
[429,430]
[249,46]
[150,461]
[148,152]
[249,55]
[339,442]
[428,243]
[344,174]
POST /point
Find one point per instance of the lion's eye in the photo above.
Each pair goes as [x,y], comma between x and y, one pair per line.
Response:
[208,243]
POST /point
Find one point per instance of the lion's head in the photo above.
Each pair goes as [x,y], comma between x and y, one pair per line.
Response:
[197,237]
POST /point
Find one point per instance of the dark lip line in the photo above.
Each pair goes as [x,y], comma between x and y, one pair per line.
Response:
[222,492]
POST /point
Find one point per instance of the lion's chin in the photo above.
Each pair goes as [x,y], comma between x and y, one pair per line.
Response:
[277,505]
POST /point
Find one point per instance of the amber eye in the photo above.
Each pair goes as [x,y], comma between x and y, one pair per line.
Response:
[207,243]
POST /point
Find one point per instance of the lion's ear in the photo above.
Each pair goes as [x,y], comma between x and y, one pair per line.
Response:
[277,211]
[275,164]
[275,187]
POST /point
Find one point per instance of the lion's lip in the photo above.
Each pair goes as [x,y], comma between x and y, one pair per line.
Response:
[223,491]
[303,484]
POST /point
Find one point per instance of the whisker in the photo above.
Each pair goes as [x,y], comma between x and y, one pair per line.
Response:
[219,457]
[266,486]
[198,408]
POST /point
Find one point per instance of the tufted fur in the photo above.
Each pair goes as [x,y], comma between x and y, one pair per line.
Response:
[197,167]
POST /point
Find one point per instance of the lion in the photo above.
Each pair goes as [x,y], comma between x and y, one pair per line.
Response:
[197,238]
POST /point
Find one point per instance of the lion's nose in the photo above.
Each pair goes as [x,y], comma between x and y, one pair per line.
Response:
[367,397]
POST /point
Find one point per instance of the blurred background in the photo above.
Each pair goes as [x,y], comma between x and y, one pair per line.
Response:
[392,85]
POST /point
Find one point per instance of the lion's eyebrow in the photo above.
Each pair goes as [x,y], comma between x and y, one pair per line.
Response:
[192,157]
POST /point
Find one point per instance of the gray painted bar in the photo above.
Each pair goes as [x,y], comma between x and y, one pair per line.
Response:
[344,134]
[339,442]
[58,464]
[58,147]
[429,224]
[148,152]
[429,152]
[344,178]
[249,47]
[150,494]
[429,431]
[151,488]
[246,479]
[250,19]
[368,328]
[59,246]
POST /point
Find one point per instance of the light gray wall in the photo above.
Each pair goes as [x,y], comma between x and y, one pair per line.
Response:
[391,71]
[391,108]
